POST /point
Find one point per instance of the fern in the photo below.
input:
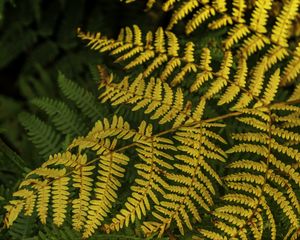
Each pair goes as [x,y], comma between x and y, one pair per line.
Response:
[178,68]
[68,120]
[85,101]
[23,228]
[44,137]
[65,119]
[216,155]
[264,178]
[252,34]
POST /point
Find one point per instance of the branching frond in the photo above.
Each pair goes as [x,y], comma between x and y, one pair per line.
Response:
[161,51]
[194,183]
[53,180]
[217,155]
[263,178]
[65,119]
[150,184]
[44,136]
[159,99]
[83,99]
[283,23]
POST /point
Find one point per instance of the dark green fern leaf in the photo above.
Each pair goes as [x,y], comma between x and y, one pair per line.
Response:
[43,136]
[54,233]
[23,228]
[64,118]
[83,99]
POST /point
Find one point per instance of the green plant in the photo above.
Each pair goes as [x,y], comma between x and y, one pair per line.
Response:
[210,147]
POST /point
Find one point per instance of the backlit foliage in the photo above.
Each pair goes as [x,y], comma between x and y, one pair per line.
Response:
[217,153]
[266,28]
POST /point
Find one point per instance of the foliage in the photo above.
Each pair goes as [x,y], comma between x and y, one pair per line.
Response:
[195,136]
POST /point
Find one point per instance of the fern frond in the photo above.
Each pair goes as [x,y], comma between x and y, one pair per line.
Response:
[238,10]
[220,22]
[198,18]
[149,184]
[222,76]
[43,198]
[206,73]
[259,16]
[30,200]
[110,169]
[168,60]
[60,195]
[271,89]
[265,178]
[253,44]
[182,12]
[83,182]
[255,32]
[295,94]
[235,34]
[210,235]
[56,175]
[117,128]
[44,137]
[83,99]
[95,40]
[64,119]
[255,87]
[239,82]
[283,23]
[176,68]
[13,210]
[292,69]
[157,96]
[192,188]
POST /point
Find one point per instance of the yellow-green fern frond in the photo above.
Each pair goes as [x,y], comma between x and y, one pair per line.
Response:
[43,198]
[60,196]
[266,178]
[206,70]
[251,33]
[296,94]
[239,82]
[253,44]
[199,17]
[220,22]
[222,76]
[157,97]
[218,79]
[259,16]
[82,181]
[192,187]
[165,58]
[255,87]
[37,192]
[186,8]
[238,10]
[235,34]
[292,69]
[51,184]
[271,88]
[160,51]
[150,183]
[110,169]
[283,23]
[13,210]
